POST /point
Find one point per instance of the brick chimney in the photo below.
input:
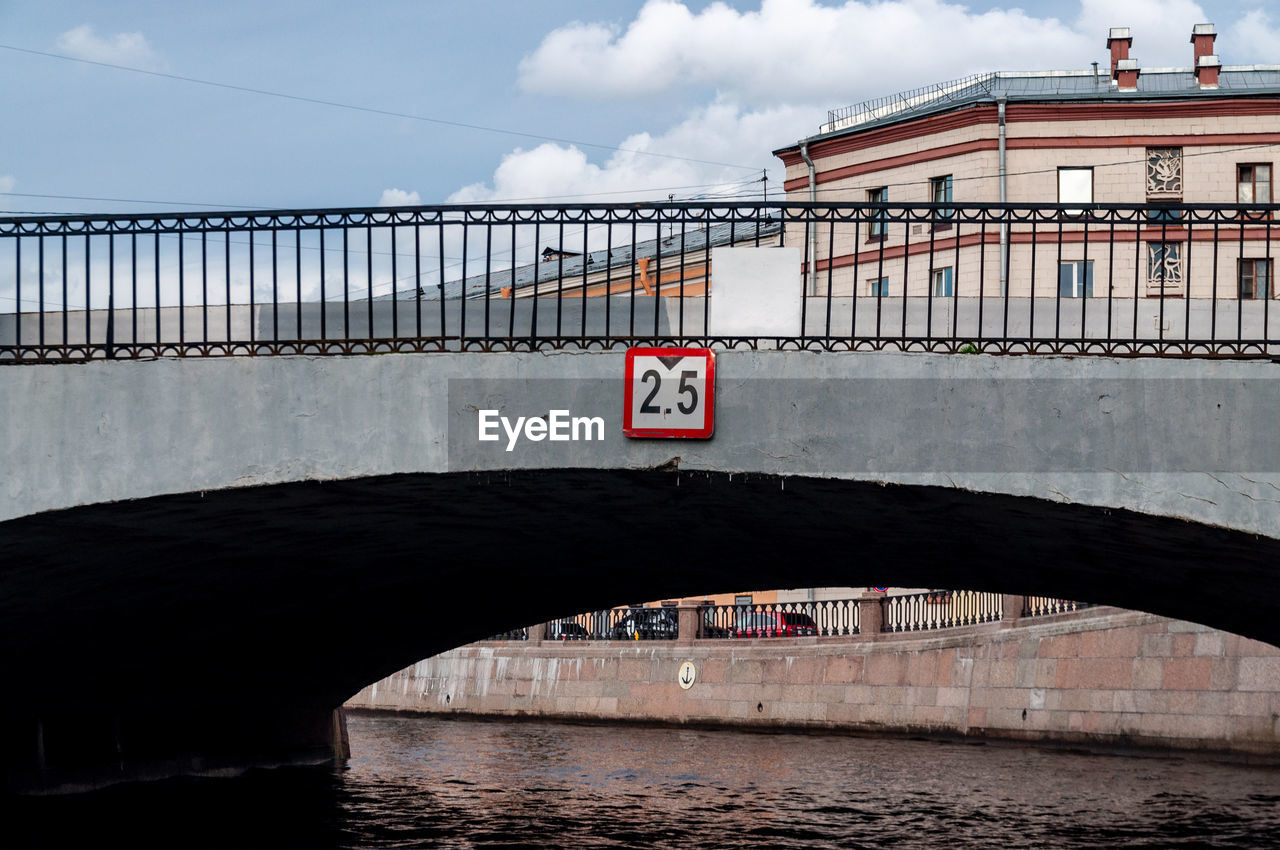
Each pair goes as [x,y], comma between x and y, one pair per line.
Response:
[1119,40]
[1206,64]
[1202,36]
[1127,74]
[1207,68]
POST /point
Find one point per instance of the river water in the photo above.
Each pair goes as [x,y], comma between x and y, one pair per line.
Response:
[423,782]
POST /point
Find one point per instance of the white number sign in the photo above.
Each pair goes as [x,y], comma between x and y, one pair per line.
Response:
[670,392]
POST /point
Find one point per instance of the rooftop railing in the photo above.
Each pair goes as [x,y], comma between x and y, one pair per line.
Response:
[1115,279]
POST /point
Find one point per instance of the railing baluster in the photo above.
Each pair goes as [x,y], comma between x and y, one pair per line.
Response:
[586,255]
[443,322]
[1268,290]
[831,256]
[1186,281]
[253,319]
[275,284]
[159,304]
[40,271]
[368,276]
[226,273]
[324,301]
[133,287]
[88,293]
[17,291]
[395,287]
[297,269]
[66,308]
[417,279]
[537,292]
[928,312]
[1111,268]
[204,285]
[111,293]
[1240,225]
[955,282]
[906,274]
[511,306]
[488,273]
[1057,304]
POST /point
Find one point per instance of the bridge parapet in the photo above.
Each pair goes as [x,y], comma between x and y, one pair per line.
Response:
[1127,279]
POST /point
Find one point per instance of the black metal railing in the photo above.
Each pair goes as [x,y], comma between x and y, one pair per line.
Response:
[940,609]
[1121,279]
[1036,606]
[512,634]
[631,623]
[781,619]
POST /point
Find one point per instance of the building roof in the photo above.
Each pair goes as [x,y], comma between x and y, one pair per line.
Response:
[691,242]
[1044,87]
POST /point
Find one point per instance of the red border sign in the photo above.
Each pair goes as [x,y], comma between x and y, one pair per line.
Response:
[707,401]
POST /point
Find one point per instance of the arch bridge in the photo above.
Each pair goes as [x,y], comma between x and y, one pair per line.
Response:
[201,557]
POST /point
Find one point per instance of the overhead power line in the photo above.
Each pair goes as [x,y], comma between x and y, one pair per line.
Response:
[372,110]
[255,207]
[132,201]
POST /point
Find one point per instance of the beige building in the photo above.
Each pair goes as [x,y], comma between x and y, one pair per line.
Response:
[677,264]
[1207,133]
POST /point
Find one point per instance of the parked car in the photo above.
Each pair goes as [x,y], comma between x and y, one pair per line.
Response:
[647,624]
[567,630]
[774,624]
[710,629]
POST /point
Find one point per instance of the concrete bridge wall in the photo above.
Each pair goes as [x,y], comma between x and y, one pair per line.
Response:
[1185,438]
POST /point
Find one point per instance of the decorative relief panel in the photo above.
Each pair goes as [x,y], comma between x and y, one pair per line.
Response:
[1164,171]
[1164,267]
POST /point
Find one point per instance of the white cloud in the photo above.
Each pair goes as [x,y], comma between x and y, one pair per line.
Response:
[777,69]
[720,132]
[7,183]
[798,50]
[1254,38]
[399,198]
[1161,28]
[792,50]
[124,48]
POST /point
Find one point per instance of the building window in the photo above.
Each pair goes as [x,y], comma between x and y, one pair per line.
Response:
[1164,172]
[1075,186]
[942,282]
[878,286]
[1255,278]
[1253,183]
[879,225]
[940,193]
[1075,279]
[1164,266]
[1157,213]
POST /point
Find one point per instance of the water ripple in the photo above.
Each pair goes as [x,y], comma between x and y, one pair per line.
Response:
[419,782]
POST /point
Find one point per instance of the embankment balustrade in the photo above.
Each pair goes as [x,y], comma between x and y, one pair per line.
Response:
[930,610]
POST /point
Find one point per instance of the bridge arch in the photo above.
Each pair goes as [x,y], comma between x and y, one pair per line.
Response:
[250,613]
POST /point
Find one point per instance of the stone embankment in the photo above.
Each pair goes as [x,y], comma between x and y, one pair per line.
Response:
[1101,676]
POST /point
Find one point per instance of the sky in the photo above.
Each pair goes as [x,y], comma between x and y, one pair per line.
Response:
[305,105]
